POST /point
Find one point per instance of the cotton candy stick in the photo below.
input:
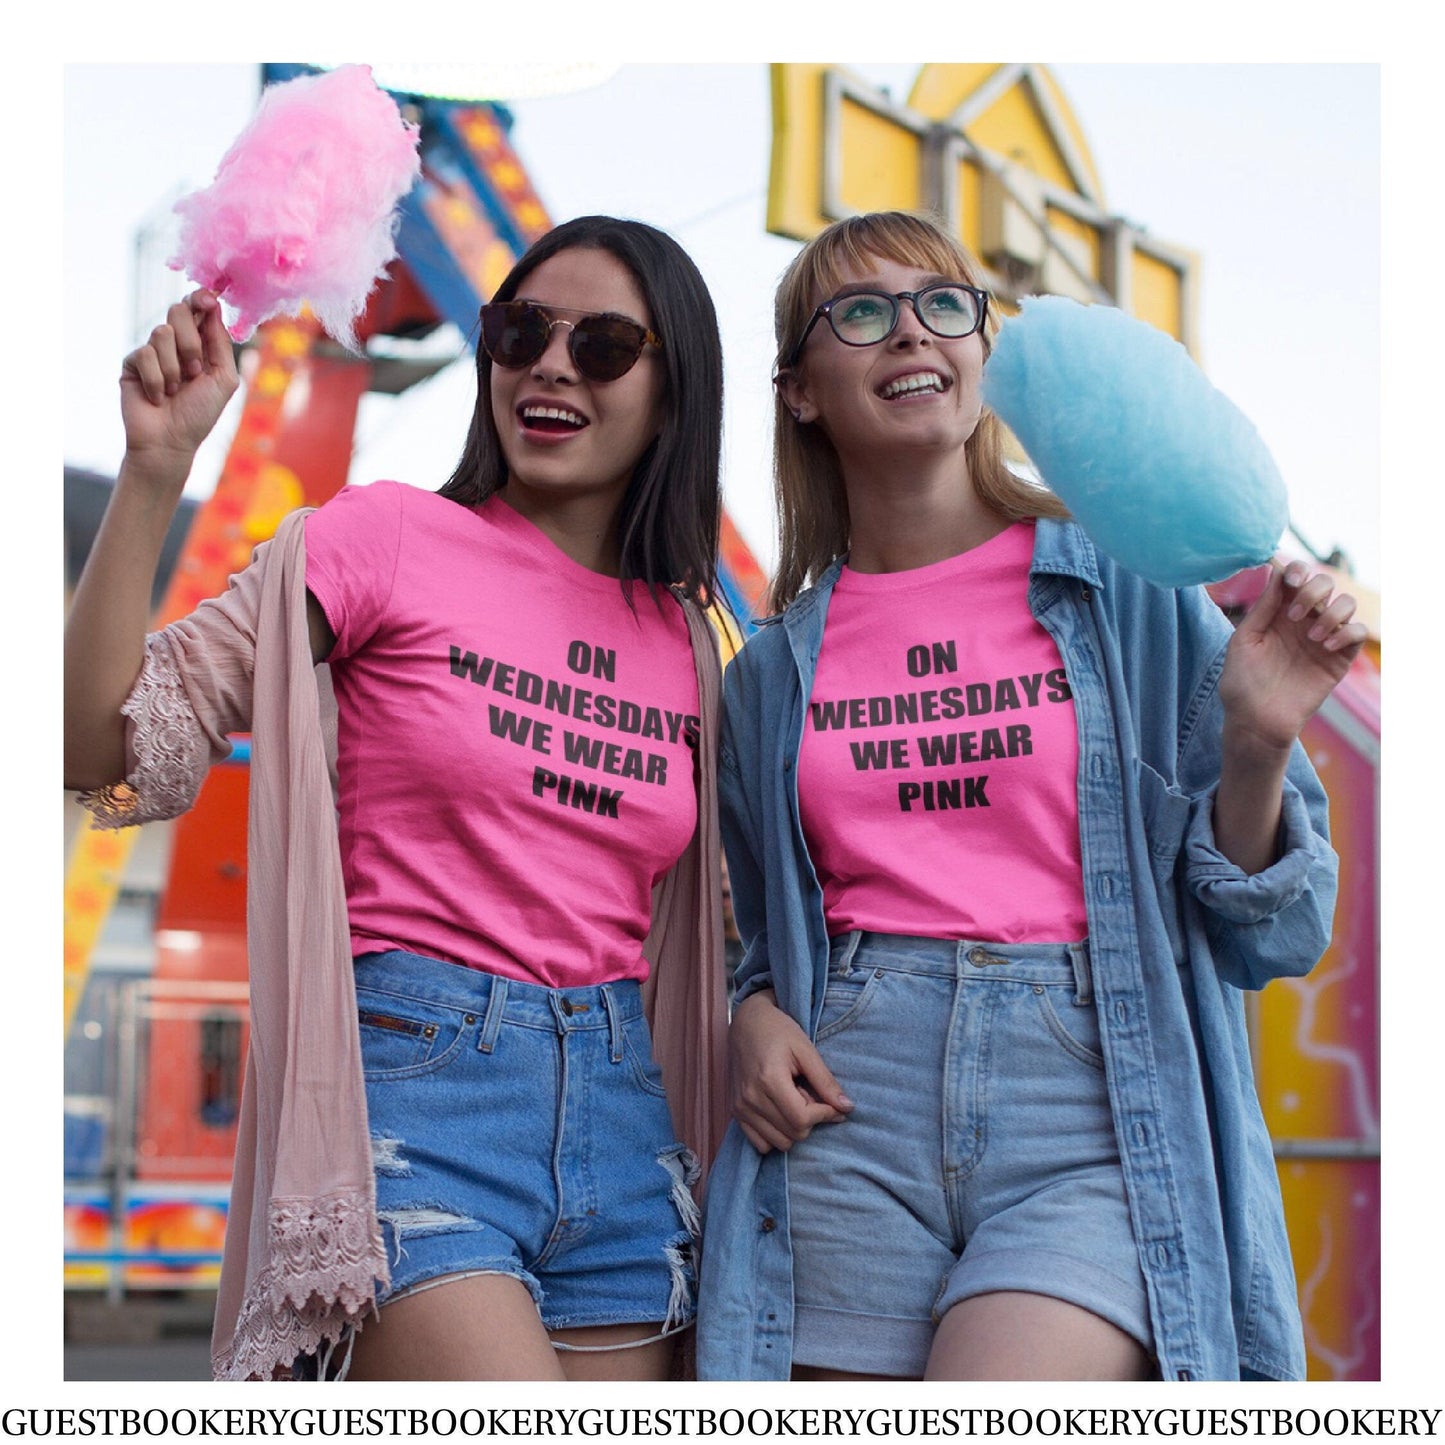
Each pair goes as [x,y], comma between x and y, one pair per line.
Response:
[303,207]
[1161,470]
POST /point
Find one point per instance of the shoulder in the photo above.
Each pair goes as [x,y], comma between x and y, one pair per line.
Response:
[760,679]
[1063,546]
[357,497]
[381,501]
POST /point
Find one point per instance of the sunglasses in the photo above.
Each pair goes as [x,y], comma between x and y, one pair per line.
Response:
[864,318]
[602,347]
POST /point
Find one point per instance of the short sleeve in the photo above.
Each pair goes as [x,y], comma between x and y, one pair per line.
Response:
[352,546]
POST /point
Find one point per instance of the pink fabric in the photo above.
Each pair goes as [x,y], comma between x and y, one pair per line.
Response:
[481,737]
[303,1251]
[938,774]
[303,205]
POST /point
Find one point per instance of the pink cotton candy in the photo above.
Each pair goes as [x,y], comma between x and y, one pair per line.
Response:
[303,206]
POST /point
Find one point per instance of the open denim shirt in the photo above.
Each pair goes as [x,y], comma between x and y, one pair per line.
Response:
[1176,931]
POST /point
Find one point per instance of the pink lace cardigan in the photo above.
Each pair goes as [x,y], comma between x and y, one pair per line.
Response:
[303,1249]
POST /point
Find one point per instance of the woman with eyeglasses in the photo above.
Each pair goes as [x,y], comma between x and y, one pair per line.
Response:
[1008,831]
[523,866]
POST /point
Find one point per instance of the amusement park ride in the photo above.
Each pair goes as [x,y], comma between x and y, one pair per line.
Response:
[155,1058]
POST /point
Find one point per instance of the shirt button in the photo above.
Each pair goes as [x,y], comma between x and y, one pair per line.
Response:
[769,1224]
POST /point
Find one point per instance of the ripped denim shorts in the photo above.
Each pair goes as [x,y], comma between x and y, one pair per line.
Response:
[523,1130]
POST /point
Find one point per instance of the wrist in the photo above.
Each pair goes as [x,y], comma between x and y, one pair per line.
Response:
[155,468]
[1251,752]
[755,1003]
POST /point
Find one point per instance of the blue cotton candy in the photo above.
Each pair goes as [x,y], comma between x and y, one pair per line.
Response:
[1161,470]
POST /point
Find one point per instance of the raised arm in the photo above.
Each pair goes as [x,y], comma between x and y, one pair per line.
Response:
[173,390]
[1288,653]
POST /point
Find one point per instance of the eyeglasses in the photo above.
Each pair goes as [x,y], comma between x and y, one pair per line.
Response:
[603,348]
[864,318]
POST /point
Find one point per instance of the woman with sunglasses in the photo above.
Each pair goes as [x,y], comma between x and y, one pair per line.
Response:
[1008,831]
[526,692]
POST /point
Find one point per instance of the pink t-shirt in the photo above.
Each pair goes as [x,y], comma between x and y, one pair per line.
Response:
[515,746]
[938,773]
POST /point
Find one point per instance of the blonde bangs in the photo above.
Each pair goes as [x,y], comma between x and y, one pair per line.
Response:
[812,503]
[857,244]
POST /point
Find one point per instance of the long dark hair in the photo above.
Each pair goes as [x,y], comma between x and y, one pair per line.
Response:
[667,529]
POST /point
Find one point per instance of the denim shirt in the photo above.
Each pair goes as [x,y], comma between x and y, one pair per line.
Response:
[1176,932]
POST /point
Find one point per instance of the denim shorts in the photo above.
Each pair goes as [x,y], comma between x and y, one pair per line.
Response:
[523,1130]
[980,1154]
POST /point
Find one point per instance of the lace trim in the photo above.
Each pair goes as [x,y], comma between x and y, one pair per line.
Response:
[113,806]
[320,1281]
[171,751]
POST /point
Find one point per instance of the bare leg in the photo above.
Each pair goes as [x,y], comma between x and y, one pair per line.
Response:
[817,1372]
[652,1361]
[484,1327]
[1015,1336]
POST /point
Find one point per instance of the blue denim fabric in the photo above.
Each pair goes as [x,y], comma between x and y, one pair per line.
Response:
[1175,929]
[981,1157]
[523,1130]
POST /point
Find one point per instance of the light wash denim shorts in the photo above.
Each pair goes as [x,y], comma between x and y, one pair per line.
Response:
[980,1154]
[523,1130]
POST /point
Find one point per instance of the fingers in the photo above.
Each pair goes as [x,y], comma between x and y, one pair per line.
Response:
[1330,627]
[1305,594]
[1264,608]
[1328,613]
[216,348]
[815,1075]
[780,1121]
[190,342]
[1306,597]
[782,1089]
[781,1105]
[171,354]
[1346,639]
[142,367]
[755,1139]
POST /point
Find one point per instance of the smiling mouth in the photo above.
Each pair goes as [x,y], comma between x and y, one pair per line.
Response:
[919,383]
[551,419]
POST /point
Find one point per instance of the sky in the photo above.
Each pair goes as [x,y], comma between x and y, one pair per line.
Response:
[1269,172]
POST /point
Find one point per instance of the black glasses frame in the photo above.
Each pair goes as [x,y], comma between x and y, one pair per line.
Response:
[893,298]
[638,334]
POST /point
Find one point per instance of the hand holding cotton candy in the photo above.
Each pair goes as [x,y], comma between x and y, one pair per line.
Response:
[1161,470]
[303,206]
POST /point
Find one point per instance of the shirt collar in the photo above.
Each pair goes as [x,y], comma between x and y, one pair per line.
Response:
[1060,546]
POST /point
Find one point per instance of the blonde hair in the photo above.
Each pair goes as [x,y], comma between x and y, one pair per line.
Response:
[812,506]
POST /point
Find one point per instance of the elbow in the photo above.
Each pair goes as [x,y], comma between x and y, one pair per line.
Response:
[88,763]
[79,779]
[1285,945]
